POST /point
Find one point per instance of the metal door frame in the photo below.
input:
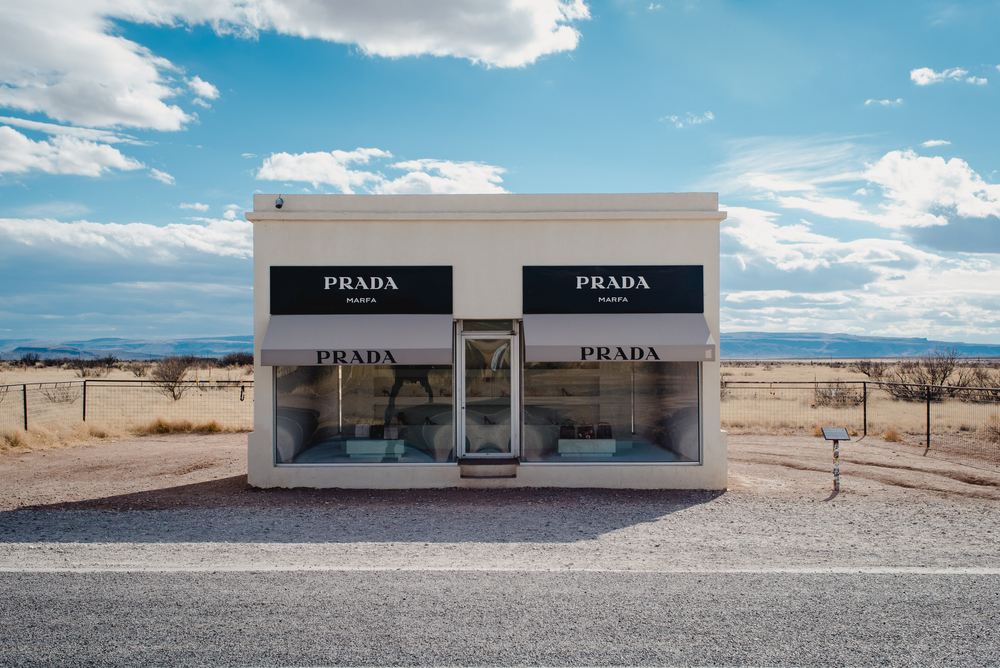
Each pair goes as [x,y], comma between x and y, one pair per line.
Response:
[515,394]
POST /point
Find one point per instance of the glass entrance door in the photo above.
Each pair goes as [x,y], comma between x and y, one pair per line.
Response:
[489,419]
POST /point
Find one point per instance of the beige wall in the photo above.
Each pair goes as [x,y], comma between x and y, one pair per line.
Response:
[487,239]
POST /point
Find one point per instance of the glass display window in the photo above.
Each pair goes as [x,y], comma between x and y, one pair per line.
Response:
[611,412]
[364,414]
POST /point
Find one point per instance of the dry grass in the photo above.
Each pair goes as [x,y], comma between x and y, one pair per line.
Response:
[992,428]
[892,435]
[15,374]
[44,438]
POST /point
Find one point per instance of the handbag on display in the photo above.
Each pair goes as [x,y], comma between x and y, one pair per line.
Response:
[377,431]
[567,430]
[362,429]
[604,430]
[391,431]
[585,431]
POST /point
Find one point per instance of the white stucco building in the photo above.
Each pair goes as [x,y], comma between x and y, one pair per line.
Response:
[487,341]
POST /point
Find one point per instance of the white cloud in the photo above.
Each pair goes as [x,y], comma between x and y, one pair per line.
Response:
[787,164]
[902,290]
[202,88]
[104,136]
[916,191]
[925,76]
[162,177]
[936,142]
[978,81]
[689,119]
[232,210]
[68,60]
[919,190]
[653,6]
[331,168]
[884,103]
[249,155]
[197,206]
[226,238]
[201,103]
[444,177]
[63,154]
[338,169]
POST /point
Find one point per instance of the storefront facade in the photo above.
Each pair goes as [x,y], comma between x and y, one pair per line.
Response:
[409,341]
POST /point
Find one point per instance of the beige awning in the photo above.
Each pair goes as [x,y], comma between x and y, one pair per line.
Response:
[311,340]
[593,337]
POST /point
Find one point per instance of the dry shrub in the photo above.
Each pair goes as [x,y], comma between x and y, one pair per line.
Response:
[43,438]
[11,439]
[161,426]
[169,375]
[817,431]
[211,427]
[991,429]
[138,369]
[892,435]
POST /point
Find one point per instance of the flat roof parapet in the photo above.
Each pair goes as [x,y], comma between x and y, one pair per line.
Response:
[624,206]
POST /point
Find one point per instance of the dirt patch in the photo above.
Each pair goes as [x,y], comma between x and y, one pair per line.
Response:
[209,471]
[869,467]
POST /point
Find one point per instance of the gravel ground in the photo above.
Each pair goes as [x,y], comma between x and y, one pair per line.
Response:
[156,552]
[182,501]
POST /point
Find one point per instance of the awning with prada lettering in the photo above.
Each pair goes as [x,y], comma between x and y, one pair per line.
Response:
[621,337]
[311,340]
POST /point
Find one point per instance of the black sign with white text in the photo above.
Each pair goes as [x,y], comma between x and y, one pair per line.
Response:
[614,289]
[360,290]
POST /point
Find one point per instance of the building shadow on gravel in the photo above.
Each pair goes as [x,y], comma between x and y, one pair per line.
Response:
[229,510]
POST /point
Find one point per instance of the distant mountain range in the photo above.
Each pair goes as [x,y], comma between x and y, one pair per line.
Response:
[772,345]
[735,345]
[125,349]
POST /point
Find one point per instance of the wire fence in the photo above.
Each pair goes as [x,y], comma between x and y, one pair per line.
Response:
[953,423]
[958,424]
[126,403]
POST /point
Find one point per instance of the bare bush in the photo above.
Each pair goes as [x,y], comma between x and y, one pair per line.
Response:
[237,359]
[106,363]
[138,369]
[838,394]
[169,375]
[83,371]
[991,430]
[983,383]
[30,359]
[941,374]
[874,369]
[62,394]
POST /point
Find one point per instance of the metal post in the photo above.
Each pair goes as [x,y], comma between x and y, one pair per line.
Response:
[84,401]
[24,395]
[864,395]
[928,417]
[836,466]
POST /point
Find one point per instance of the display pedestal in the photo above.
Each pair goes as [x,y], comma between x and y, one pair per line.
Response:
[587,447]
[375,447]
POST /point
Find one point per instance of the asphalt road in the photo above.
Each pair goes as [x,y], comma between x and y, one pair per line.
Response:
[302,618]
[494,579]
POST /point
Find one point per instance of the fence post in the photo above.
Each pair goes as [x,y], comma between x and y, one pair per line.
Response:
[84,400]
[24,396]
[864,394]
[928,417]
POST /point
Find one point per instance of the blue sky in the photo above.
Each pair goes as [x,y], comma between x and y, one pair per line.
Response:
[854,144]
